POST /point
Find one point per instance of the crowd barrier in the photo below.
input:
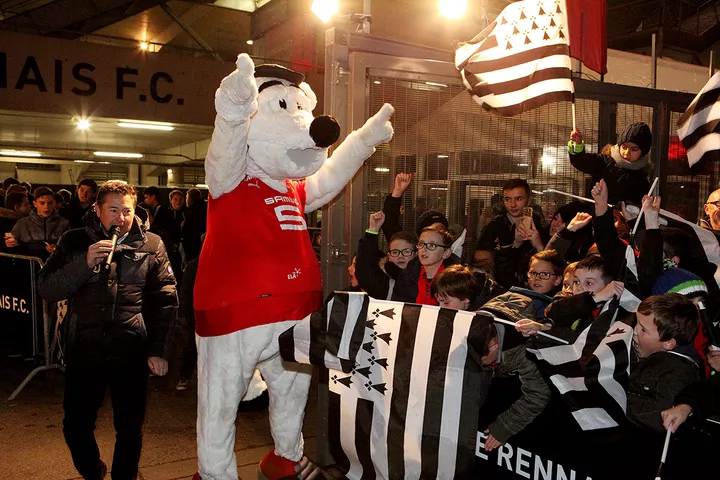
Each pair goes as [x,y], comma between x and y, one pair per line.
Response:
[28,320]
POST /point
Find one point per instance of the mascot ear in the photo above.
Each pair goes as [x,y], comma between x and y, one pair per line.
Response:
[310,94]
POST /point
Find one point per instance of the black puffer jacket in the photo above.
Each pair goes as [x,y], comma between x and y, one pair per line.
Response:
[112,315]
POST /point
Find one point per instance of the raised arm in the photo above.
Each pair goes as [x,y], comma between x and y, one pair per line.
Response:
[347,158]
[235,104]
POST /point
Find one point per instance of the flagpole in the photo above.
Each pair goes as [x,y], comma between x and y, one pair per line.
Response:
[658,476]
[509,322]
[584,199]
[642,208]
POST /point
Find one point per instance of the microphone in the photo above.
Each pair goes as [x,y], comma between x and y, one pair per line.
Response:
[114,230]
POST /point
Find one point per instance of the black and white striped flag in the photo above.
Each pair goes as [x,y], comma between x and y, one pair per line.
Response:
[408,407]
[520,61]
[699,126]
[703,246]
[592,373]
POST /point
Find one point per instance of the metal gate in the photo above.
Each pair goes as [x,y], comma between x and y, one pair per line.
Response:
[461,155]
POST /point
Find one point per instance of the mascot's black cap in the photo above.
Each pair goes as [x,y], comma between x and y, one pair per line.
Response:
[278,71]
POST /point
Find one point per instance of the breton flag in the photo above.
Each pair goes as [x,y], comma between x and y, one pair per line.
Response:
[592,373]
[405,401]
[520,61]
[699,126]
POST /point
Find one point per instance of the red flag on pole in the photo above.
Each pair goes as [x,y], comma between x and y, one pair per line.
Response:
[588,35]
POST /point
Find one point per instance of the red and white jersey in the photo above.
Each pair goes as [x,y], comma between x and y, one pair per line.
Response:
[257,264]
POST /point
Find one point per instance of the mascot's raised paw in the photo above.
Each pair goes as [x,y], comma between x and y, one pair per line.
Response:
[236,99]
[378,128]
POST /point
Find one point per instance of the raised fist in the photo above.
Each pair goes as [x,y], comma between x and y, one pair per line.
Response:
[378,128]
[236,99]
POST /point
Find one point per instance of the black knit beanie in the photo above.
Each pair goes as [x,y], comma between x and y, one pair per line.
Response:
[639,134]
[428,218]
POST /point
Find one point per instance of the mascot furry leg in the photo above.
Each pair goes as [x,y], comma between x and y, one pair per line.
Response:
[266,166]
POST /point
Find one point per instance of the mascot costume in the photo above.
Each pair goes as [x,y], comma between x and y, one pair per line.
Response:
[267,165]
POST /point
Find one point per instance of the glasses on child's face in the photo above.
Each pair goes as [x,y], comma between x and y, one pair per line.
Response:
[405,252]
[541,275]
[430,247]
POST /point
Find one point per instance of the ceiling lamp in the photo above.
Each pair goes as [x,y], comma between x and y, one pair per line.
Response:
[147,126]
[453,8]
[19,153]
[117,154]
[324,9]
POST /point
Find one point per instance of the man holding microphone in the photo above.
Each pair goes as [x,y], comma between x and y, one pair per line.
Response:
[119,310]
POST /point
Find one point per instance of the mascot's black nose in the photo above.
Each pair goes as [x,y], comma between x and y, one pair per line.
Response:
[325,130]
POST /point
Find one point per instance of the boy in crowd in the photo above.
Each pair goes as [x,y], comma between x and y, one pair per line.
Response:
[39,232]
[507,240]
[377,278]
[663,360]
[80,203]
[502,354]
[592,287]
[17,206]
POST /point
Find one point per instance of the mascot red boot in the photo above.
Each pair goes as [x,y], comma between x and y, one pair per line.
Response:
[267,165]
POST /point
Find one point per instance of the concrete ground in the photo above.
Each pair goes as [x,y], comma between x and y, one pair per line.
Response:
[32,445]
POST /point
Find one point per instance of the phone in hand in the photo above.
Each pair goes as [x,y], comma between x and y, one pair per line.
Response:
[527,217]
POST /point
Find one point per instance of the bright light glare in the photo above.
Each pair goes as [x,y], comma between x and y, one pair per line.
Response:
[324,9]
[435,84]
[19,153]
[169,171]
[83,124]
[118,154]
[148,126]
[382,169]
[452,8]
[249,42]
[201,185]
[143,45]
[83,161]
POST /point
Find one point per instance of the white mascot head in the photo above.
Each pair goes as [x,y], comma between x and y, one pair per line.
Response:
[285,141]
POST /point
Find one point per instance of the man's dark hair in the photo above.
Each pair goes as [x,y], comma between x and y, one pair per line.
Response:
[553,258]
[407,236]
[676,243]
[88,182]
[27,185]
[115,187]
[675,317]
[66,195]
[14,199]
[59,198]
[173,193]
[154,191]
[595,263]
[483,329]
[194,196]
[517,183]
[455,281]
[42,191]
[16,187]
[9,181]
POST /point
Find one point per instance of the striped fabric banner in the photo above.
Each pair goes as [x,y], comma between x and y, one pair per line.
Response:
[521,61]
[409,407]
[699,126]
[591,374]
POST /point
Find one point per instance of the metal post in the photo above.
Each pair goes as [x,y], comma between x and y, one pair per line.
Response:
[366,17]
[711,70]
[653,71]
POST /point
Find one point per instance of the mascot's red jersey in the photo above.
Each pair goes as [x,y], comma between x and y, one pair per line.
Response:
[257,264]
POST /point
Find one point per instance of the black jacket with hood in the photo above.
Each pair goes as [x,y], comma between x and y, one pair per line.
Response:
[112,315]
